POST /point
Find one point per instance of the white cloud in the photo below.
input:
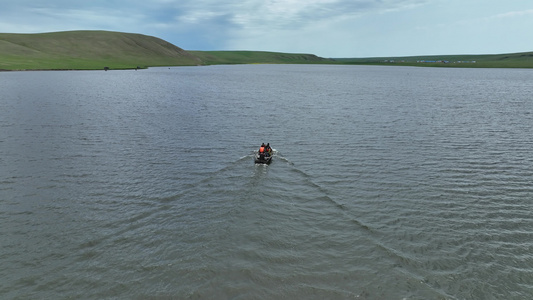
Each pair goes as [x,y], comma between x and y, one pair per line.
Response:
[514,14]
[323,27]
[313,26]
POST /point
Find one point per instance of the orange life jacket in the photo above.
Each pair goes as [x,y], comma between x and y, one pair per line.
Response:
[262,150]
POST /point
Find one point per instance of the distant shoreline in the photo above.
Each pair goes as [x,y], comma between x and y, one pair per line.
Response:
[98,50]
[455,66]
[57,70]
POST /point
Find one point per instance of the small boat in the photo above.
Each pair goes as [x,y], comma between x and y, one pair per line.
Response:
[263,158]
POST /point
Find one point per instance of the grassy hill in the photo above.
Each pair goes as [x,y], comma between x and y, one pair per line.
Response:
[88,50]
[256,57]
[81,50]
[512,60]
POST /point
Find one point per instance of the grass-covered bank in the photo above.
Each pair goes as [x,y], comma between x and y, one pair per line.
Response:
[512,60]
[257,57]
[82,50]
[96,50]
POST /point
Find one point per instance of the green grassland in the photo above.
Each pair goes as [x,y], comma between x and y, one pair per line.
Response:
[256,57]
[86,50]
[513,60]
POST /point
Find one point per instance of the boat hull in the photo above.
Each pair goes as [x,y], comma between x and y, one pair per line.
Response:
[263,159]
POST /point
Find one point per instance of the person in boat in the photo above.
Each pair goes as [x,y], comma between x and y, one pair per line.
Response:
[262,149]
[268,149]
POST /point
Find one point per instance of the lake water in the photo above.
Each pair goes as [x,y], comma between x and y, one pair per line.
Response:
[386,183]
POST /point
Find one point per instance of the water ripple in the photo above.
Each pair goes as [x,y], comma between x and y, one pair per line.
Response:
[387,183]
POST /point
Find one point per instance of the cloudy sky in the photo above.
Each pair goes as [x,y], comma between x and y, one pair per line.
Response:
[327,28]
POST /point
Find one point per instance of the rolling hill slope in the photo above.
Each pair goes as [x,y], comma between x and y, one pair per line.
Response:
[85,50]
[257,57]
[510,60]
[88,50]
